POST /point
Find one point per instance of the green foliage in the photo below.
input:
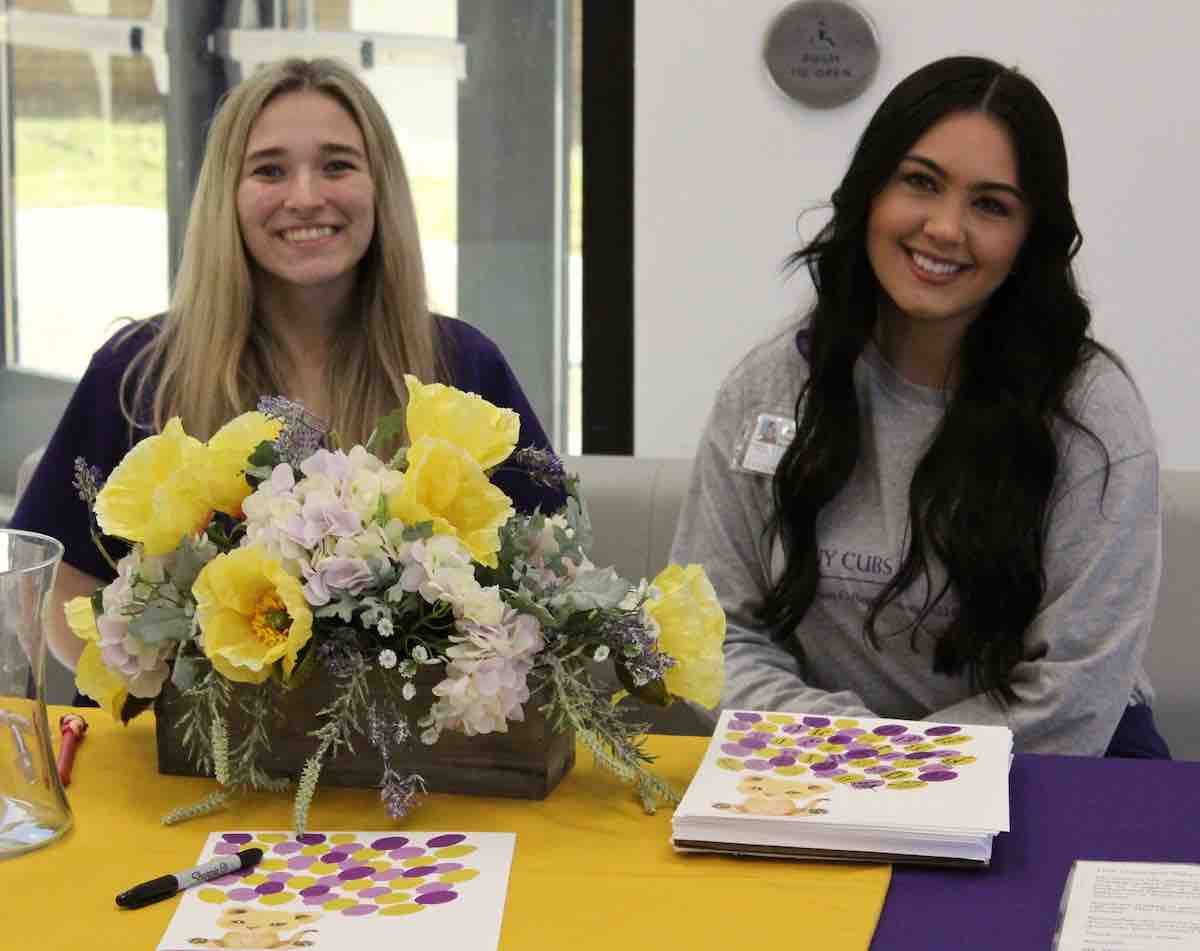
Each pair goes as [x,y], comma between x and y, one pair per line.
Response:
[387,431]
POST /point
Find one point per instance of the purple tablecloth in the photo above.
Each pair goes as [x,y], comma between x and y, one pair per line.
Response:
[1063,808]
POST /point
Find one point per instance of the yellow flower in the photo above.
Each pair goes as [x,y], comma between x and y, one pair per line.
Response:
[445,485]
[224,464]
[692,630]
[154,495]
[81,619]
[488,433]
[95,680]
[252,614]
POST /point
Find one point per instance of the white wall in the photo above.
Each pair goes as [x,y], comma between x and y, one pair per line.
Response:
[725,164]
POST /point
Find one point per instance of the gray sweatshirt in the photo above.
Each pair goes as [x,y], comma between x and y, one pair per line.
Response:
[1082,657]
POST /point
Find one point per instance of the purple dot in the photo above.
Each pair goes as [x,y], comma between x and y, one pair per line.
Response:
[794,728]
[879,770]
[314,890]
[390,842]
[441,841]
[311,838]
[891,755]
[237,838]
[410,853]
[809,741]
[443,867]
[889,729]
[299,862]
[334,858]
[420,871]
[854,731]
[910,738]
[755,741]
[287,848]
[387,874]
[279,876]
[433,887]
[860,752]
[358,871]
[938,775]
[736,749]
[921,754]
[225,879]
[816,721]
[942,730]
[823,767]
[373,892]
[242,894]
[758,765]
[747,717]
[359,910]
[225,848]
[435,898]
[783,761]
[840,738]
[836,772]
[269,888]
[330,880]
[317,899]
[867,783]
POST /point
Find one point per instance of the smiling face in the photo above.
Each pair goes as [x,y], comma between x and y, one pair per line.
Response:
[945,230]
[306,199]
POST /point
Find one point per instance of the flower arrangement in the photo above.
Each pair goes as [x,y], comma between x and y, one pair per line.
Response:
[270,555]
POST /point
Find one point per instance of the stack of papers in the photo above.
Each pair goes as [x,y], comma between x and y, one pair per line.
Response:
[795,785]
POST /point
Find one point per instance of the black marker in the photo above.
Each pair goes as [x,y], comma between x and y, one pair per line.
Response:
[167,885]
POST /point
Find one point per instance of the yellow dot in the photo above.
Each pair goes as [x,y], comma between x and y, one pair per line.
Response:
[365,855]
[381,865]
[256,879]
[414,862]
[315,849]
[357,885]
[884,748]
[864,763]
[822,731]
[918,747]
[341,838]
[811,758]
[273,837]
[952,740]
[832,747]
[781,739]
[392,897]
[272,865]
[279,898]
[849,778]
[791,770]
[405,909]
[461,875]
[734,735]
[454,851]
[869,739]
[339,903]
[958,760]
[213,895]
[301,881]
[902,784]
[780,718]
[845,723]
[906,763]
[762,726]
[728,762]
[897,774]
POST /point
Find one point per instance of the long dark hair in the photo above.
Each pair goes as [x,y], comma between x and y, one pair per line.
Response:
[979,496]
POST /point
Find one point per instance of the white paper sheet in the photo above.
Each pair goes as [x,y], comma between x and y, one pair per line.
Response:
[361,890]
[1130,906]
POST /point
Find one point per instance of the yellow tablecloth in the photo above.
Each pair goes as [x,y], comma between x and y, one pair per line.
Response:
[590,870]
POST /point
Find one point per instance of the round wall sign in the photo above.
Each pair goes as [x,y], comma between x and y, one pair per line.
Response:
[822,53]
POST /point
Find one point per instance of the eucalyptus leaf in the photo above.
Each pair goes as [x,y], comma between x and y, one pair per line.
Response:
[415,533]
[160,621]
[186,671]
[598,588]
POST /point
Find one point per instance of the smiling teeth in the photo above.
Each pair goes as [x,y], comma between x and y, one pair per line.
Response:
[307,234]
[935,267]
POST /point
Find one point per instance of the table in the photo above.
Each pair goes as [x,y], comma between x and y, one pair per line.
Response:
[1063,808]
[590,869]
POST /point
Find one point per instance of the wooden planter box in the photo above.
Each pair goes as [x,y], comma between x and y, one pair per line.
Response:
[525,763]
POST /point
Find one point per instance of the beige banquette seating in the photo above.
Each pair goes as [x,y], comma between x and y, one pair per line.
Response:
[635,501]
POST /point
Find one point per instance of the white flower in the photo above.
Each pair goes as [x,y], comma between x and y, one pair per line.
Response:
[387,659]
[385,627]
[601,653]
[430,736]
[409,690]
[420,654]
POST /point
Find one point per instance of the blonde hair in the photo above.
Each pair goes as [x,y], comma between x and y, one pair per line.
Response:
[212,359]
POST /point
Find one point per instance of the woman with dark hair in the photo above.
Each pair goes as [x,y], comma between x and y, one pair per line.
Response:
[965,526]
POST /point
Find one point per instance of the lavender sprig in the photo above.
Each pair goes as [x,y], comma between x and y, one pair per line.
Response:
[340,655]
[626,635]
[88,481]
[401,794]
[303,432]
[542,466]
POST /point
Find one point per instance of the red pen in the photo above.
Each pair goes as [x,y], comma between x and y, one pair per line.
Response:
[72,726]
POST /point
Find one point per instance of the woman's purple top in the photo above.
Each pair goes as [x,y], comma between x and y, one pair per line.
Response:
[93,427]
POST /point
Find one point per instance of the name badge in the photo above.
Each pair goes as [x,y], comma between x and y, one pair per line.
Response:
[765,439]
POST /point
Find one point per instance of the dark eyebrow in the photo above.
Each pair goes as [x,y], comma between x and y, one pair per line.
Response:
[978,186]
[327,148]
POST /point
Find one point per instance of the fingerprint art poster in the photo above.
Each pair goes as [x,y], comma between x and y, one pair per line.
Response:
[362,890]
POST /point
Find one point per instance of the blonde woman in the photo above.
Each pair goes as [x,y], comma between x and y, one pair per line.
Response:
[301,275]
